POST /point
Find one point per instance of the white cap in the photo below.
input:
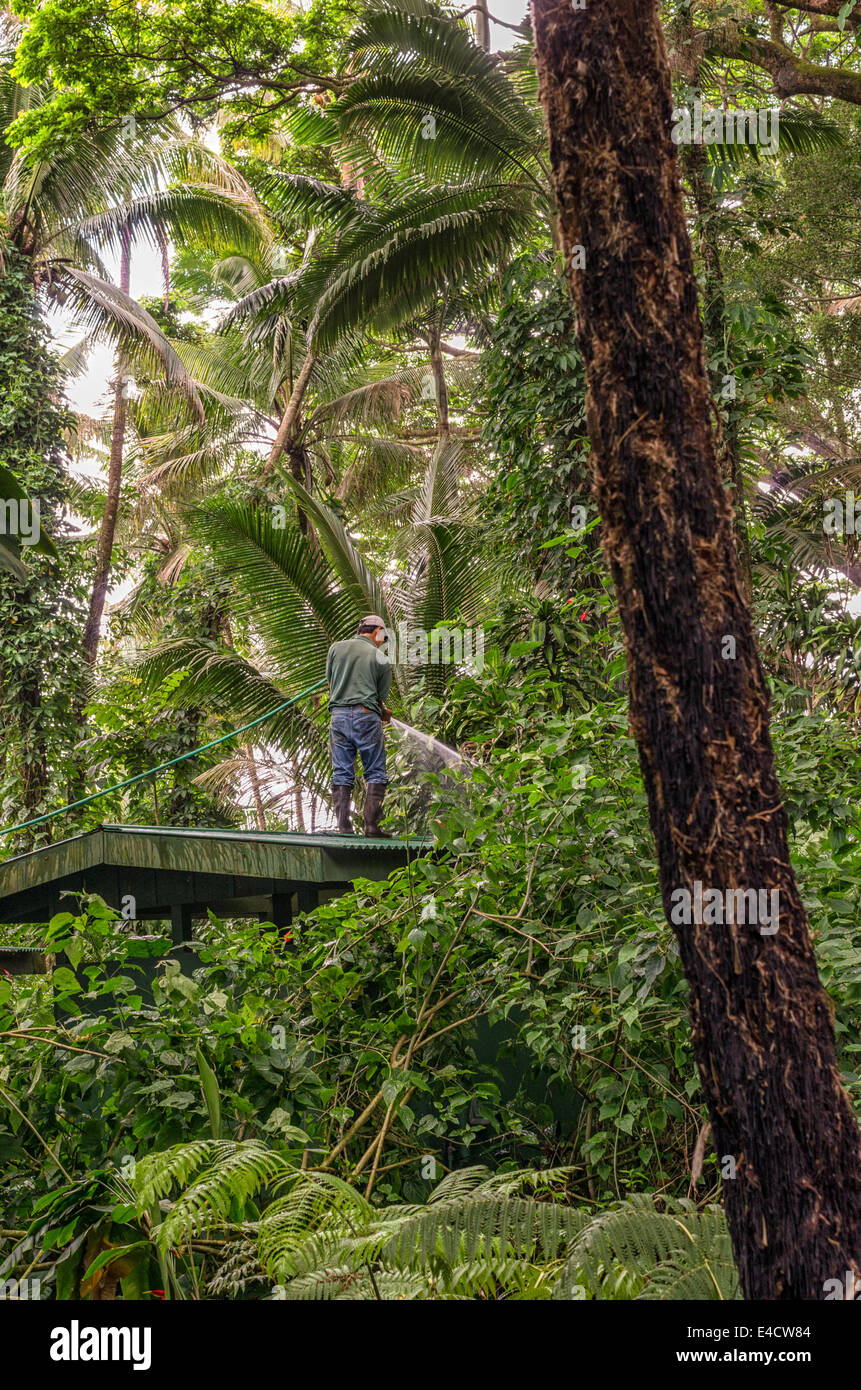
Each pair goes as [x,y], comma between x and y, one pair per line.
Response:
[372,620]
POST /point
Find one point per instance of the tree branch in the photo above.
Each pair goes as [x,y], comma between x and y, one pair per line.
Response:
[829,8]
[790,74]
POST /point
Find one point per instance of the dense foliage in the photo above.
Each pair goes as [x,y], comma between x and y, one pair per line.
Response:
[356,390]
[40,607]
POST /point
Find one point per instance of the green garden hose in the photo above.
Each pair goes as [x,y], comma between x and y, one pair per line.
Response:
[151,772]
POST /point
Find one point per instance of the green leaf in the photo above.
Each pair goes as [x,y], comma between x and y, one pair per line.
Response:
[280,1121]
[63,980]
[211,1095]
[60,919]
[113,1253]
[393,1087]
[75,950]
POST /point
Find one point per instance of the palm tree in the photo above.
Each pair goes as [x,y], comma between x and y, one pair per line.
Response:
[58,213]
[420,220]
[405,260]
[296,600]
[109,188]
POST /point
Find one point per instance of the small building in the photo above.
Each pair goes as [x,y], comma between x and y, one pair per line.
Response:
[164,873]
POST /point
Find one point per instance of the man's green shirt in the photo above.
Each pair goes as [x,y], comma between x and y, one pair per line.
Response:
[355,675]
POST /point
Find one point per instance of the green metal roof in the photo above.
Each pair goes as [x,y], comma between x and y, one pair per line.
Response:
[326,838]
[323,839]
[169,864]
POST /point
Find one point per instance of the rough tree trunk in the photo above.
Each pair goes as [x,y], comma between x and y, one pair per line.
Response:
[718,336]
[105,547]
[761,1023]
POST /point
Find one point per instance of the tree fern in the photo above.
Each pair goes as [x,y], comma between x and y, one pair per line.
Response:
[480,1235]
[226,1175]
[651,1249]
[466,1242]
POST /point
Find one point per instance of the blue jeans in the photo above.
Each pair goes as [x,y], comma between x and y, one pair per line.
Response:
[354,730]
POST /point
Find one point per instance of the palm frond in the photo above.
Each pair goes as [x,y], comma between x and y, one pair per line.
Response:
[378,465]
[283,586]
[194,213]
[799,132]
[222,680]
[444,129]
[360,590]
[298,200]
[104,309]
[391,268]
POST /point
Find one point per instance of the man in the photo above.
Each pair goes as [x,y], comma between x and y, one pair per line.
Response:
[359,679]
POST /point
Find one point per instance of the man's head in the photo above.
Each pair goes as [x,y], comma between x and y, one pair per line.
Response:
[373,626]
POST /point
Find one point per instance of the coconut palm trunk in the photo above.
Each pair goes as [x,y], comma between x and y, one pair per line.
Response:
[287,441]
[297,800]
[440,386]
[107,531]
[784,1132]
[253,778]
[289,420]
[482,25]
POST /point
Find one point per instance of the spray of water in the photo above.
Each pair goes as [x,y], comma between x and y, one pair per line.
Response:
[437,755]
[418,797]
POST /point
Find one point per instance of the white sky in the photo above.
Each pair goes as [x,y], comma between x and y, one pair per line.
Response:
[512,11]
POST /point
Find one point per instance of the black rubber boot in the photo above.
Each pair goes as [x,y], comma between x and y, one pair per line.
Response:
[375,795]
[341,806]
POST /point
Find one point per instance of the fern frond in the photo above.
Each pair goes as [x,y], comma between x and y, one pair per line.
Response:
[156,1173]
[651,1248]
[464,1229]
[235,1173]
